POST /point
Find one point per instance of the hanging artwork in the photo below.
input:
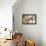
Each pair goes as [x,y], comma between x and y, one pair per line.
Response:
[29,19]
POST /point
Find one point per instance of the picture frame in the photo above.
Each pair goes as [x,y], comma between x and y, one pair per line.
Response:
[29,19]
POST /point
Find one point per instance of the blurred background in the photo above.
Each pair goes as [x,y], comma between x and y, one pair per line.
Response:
[37,32]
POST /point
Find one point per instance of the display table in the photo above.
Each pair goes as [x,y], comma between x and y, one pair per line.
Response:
[8,37]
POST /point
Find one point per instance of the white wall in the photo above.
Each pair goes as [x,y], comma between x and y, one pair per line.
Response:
[6,13]
[30,31]
[43,22]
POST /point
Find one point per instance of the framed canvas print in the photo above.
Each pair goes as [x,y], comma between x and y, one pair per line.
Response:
[29,19]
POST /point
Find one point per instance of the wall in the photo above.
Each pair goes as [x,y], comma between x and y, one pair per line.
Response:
[43,22]
[6,13]
[29,31]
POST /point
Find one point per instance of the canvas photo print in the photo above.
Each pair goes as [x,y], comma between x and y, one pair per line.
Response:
[29,19]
